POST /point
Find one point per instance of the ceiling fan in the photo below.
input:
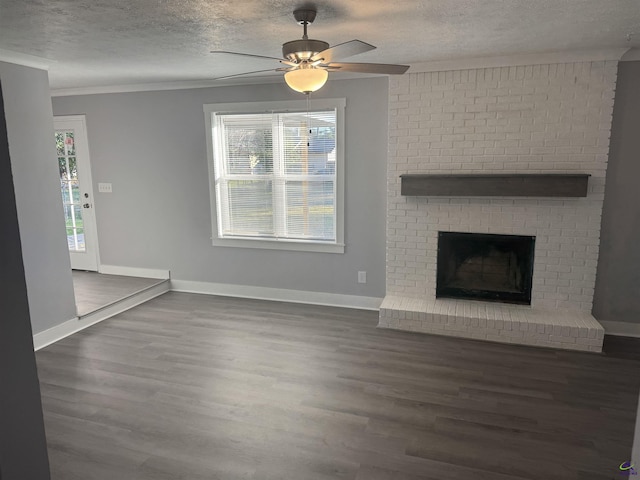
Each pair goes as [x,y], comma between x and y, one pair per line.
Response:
[308,61]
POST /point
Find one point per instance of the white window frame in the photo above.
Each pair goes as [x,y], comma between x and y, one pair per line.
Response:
[339,105]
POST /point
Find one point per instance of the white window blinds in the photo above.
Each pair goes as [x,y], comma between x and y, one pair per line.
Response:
[275,175]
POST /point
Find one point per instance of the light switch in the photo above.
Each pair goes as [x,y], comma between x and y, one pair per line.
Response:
[105,188]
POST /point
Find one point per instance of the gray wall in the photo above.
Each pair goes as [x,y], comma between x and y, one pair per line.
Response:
[31,145]
[635,453]
[23,451]
[618,279]
[151,146]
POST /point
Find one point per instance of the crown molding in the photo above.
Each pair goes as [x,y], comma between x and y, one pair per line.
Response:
[632,55]
[595,55]
[189,84]
[157,86]
[25,60]
[519,60]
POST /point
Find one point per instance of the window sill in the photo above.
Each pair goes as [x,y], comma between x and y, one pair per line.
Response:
[300,246]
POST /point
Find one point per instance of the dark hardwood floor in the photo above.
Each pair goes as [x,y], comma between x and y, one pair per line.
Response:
[199,387]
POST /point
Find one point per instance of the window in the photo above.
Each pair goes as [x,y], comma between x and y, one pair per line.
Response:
[276,174]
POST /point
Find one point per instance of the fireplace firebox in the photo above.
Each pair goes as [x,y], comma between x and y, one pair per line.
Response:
[487,267]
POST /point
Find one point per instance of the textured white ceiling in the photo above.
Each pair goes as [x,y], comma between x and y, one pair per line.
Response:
[117,42]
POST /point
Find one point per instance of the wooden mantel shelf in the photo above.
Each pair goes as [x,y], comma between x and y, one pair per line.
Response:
[502,185]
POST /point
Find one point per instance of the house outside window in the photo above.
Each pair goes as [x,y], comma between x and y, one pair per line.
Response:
[277,174]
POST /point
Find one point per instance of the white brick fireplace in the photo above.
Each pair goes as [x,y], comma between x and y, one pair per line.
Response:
[553,118]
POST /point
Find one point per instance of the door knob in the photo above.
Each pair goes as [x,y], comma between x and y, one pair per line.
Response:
[86,205]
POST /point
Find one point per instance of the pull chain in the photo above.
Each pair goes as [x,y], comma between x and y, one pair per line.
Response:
[308,123]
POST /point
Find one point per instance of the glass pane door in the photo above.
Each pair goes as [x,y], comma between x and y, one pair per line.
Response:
[70,190]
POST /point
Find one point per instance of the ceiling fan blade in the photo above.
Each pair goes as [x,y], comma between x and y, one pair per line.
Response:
[246,55]
[384,68]
[287,62]
[245,73]
[343,50]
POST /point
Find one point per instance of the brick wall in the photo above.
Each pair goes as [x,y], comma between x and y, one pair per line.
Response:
[523,119]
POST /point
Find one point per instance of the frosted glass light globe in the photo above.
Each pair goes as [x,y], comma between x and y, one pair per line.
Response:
[306,80]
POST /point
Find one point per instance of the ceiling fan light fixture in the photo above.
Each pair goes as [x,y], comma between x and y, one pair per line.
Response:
[306,80]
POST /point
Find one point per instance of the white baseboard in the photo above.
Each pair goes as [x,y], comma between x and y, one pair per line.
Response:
[52,335]
[623,329]
[277,294]
[134,272]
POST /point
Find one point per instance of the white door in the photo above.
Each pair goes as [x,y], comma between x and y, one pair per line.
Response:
[76,187]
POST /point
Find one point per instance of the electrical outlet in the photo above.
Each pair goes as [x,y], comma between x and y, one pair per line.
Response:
[105,188]
[362,277]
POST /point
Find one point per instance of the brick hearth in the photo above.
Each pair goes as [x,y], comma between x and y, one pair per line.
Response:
[519,324]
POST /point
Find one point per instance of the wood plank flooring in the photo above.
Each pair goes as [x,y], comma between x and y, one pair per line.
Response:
[96,290]
[200,387]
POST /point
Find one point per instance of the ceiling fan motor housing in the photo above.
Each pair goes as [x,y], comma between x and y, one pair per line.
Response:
[303,49]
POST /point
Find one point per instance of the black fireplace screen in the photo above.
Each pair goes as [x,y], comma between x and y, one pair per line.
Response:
[484,266]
